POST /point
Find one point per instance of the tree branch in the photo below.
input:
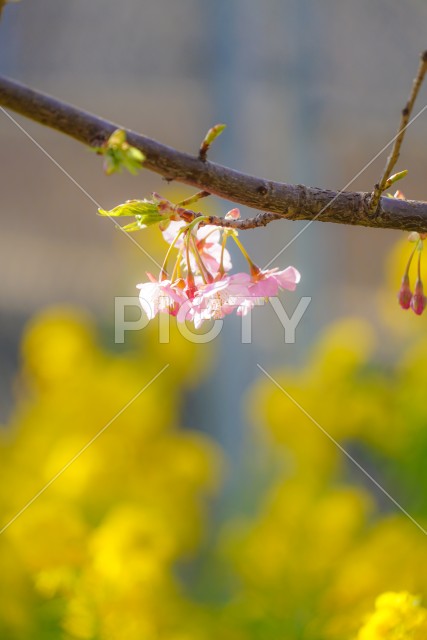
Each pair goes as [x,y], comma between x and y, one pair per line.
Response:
[279,200]
[381,186]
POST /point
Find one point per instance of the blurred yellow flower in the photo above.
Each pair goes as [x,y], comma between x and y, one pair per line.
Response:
[118,546]
[397,616]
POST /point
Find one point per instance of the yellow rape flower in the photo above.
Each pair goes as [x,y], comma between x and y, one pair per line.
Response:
[397,616]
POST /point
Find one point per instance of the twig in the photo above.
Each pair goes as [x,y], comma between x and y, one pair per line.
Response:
[210,136]
[261,220]
[395,152]
[292,202]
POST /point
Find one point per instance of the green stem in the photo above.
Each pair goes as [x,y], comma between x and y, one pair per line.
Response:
[254,269]
[410,258]
[187,229]
[169,251]
[221,270]
[190,276]
[176,273]
[195,222]
[203,270]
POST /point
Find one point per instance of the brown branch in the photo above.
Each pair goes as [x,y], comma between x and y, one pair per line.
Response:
[261,220]
[381,186]
[292,202]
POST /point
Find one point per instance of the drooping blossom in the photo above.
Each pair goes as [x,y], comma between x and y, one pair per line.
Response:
[266,284]
[164,296]
[217,299]
[208,243]
[200,289]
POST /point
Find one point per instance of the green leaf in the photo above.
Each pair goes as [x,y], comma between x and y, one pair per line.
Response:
[146,213]
[119,154]
[134,226]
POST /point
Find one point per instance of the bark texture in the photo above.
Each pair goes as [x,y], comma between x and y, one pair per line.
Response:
[277,199]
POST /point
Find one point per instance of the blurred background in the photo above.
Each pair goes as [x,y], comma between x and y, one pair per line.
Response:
[310,93]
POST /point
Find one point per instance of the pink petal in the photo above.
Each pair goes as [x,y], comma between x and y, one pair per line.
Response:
[288,278]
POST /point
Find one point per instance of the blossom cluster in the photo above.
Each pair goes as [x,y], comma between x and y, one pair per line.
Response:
[200,286]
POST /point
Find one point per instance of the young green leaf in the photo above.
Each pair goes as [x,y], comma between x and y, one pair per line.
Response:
[146,213]
[119,154]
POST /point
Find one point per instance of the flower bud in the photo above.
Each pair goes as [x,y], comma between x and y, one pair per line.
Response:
[233,214]
[405,294]
[418,300]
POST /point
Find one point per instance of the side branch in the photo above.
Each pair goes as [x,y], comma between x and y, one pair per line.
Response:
[381,186]
[291,202]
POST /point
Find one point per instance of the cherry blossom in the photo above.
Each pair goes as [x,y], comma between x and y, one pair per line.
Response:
[164,296]
[217,299]
[199,288]
[266,284]
[208,243]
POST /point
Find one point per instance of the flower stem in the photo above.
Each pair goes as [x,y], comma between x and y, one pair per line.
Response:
[186,229]
[221,269]
[203,270]
[163,271]
[176,273]
[254,269]
[419,266]
[410,258]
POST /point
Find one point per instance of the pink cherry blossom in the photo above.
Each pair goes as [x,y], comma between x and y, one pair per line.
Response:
[208,243]
[267,283]
[171,232]
[163,297]
[206,291]
[216,299]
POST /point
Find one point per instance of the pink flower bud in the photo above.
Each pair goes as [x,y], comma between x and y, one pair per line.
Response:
[418,300]
[405,294]
[233,214]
